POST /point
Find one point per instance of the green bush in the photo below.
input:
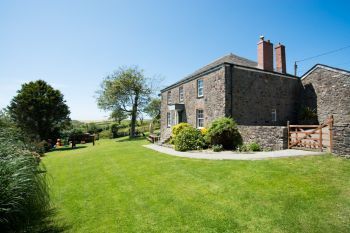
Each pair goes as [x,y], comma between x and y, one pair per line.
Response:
[224,131]
[105,134]
[254,146]
[189,139]
[217,148]
[250,147]
[42,147]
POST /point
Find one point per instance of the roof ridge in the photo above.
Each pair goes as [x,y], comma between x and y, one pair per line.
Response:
[318,65]
[243,58]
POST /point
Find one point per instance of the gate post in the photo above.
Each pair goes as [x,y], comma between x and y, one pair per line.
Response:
[320,142]
[288,138]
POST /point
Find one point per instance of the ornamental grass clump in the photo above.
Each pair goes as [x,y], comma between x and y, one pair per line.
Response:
[223,131]
[24,196]
[189,139]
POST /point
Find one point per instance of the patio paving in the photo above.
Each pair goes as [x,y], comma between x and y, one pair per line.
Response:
[231,155]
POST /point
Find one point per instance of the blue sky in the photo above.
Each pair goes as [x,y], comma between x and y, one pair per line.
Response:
[73,45]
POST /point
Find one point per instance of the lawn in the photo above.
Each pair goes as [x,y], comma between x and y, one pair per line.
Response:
[120,186]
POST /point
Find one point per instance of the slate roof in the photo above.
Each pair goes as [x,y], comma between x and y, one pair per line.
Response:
[230,58]
[335,69]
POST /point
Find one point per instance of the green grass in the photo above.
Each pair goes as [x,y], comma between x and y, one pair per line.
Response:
[124,187]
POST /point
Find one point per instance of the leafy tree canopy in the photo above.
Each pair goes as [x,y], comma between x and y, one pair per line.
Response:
[119,115]
[153,109]
[39,110]
[126,90]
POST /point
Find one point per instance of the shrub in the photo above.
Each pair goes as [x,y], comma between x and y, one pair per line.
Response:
[224,131]
[308,115]
[217,148]
[250,147]
[42,147]
[106,134]
[254,146]
[177,129]
[189,139]
[204,131]
[243,148]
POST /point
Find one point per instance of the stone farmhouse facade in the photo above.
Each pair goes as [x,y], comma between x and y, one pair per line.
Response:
[258,96]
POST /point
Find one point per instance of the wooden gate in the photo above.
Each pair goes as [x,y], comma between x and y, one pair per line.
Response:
[311,136]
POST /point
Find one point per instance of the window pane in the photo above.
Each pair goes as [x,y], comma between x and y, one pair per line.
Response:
[169,97]
[168,119]
[200,88]
[181,94]
[274,115]
[200,118]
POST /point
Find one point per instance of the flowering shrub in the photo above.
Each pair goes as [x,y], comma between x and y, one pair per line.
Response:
[177,129]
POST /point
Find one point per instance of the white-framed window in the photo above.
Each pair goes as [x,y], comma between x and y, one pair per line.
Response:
[274,115]
[169,97]
[199,87]
[181,94]
[168,119]
[200,118]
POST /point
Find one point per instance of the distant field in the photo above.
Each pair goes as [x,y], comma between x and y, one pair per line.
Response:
[120,186]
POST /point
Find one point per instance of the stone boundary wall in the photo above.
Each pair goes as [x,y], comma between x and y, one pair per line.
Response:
[272,137]
[341,140]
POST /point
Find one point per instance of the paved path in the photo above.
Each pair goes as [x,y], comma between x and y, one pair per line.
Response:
[230,155]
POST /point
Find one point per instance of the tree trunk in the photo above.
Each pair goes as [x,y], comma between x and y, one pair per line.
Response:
[134,116]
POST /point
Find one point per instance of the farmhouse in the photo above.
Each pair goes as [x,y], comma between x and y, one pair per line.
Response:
[260,97]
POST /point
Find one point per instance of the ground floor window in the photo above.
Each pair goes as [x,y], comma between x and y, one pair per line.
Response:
[168,119]
[274,115]
[200,118]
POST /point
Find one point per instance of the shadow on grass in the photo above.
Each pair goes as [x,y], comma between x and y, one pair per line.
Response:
[127,139]
[68,148]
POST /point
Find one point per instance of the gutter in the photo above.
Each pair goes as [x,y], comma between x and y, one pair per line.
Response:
[219,66]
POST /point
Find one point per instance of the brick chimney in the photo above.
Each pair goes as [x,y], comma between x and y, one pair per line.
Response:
[281,58]
[265,54]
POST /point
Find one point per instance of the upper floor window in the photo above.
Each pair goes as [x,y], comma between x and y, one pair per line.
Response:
[200,88]
[274,115]
[181,94]
[169,97]
[200,118]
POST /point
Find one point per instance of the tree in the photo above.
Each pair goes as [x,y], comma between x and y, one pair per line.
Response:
[153,109]
[39,110]
[126,90]
[118,115]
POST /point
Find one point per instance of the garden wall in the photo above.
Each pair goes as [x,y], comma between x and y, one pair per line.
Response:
[272,137]
[341,139]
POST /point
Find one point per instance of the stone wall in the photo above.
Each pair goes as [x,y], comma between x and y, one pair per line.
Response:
[256,93]
[272,137]
[328,91]
[341,140]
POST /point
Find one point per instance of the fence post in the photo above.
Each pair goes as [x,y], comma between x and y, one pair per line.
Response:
[288,134]
[320,142]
